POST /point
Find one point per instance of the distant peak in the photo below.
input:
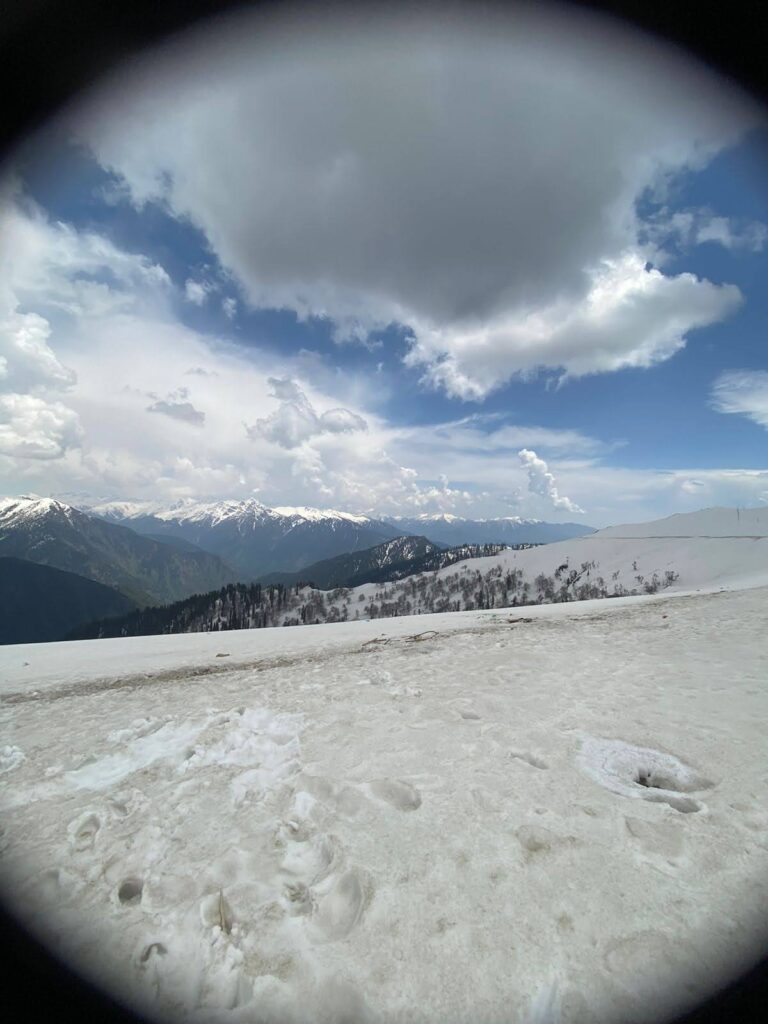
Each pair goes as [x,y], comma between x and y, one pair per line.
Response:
[317,514]
[28,506]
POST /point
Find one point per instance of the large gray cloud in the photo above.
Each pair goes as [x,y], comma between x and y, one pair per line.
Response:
[477,181]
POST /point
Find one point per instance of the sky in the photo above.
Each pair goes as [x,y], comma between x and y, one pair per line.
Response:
[393,265]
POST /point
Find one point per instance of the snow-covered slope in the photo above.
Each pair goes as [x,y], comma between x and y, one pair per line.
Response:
[710,549]
[549,820]
[707,549]
[708,522]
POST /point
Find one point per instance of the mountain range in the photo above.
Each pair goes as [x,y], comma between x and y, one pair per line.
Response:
[452,530]
[256,540]
[155,554]
[250,537]
[146,571]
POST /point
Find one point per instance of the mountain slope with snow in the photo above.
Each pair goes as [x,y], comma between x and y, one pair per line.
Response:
[709,549]
[339,571]
[708,522]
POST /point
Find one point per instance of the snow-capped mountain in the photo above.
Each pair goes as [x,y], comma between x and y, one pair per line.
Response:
[445,528]
[50,532]
[249,536]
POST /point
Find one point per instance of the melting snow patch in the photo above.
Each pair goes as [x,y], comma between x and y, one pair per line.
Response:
[161,744]
[254,737]
[10,758]
[642,772]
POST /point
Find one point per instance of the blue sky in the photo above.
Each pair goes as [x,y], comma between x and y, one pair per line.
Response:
[297,309]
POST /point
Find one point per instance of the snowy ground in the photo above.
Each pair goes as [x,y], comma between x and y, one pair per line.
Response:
[559,819]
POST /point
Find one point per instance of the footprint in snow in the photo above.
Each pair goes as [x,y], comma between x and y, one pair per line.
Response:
[340,910]
[83,831]
[401,795]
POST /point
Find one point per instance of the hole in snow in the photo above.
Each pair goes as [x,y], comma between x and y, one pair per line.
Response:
[642,772]
[130,891]
[658,780]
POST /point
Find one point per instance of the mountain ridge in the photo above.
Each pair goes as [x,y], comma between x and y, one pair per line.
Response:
[49,532]
[251,537]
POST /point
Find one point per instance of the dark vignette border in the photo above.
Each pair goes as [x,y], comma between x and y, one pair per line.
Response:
[49,51]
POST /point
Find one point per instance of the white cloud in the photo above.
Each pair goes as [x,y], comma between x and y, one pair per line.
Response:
[697,226]
[62,270]
[720,229]
[474,181]
[744,392]
[195,292]
[542,482]
[32,428]
[27,362]
[229,306]
[631,316]
[295,420]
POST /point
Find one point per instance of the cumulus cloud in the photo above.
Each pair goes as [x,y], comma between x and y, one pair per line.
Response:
[295,420]
[744,392]
[542,482]
[475,182]
[33,428]
[27,362]
[631,316]
[229,306]
[53,266]
[34,423]
[50,273]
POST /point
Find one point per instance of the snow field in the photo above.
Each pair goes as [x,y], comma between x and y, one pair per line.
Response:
[559,819]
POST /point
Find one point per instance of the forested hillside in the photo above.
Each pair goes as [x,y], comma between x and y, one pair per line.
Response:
[39,603]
